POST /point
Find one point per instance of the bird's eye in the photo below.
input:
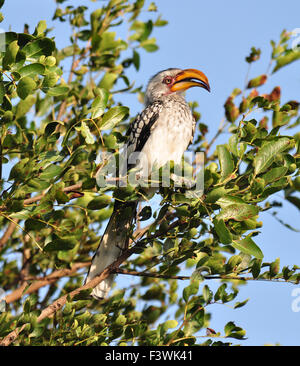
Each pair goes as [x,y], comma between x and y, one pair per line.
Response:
[167,80]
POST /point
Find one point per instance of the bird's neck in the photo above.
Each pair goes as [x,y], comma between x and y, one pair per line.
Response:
[168,98]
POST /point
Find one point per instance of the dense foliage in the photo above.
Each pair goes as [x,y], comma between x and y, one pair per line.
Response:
[52,211]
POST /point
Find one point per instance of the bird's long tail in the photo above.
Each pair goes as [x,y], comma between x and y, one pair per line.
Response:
[114,240]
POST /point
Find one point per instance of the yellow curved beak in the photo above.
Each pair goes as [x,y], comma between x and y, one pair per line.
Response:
[189,78]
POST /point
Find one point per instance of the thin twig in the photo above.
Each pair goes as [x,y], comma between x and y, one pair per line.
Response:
[74,187]
[206,277]
[220,130]
[185,321]
[149,274]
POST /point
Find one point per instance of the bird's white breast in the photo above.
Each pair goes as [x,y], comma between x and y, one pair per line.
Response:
[169,138]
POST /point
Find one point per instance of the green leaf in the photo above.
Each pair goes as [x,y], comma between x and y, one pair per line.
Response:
[219,294]
[240,304]
[51,172]
[232,331]
[190,290]
[136,60]
[37,184]
[121,320]
[197,275]
[169,324]
[145,213]
[50,80]
[95,17]
[233,262]
[274,174]
[248,246]
[10,54]
[149,45]
[108,80]
[20,170]
[267,153]
[57,90]
[50,61]
[226,161]
[2,91]
[254,55]
[227,200]
[86,133]
[25,87]
[60,244]
[99,202]
[79,155]
[61,197]
[30,302]
[40,28]
[114,116]
[99,103]
[215,194]
[233,144]
[147,31]
[207,294]
[108,42]
[256,267]
[257,186]
[43,46]
[160,22]
[32,69]
[260,101]
[88,183]
[152,7]
[110,141]
[285,59]
[294,200]
[274,267]
[32,224]
[25,105]
[222,231]
[238,212]
[43,208]
[257,81]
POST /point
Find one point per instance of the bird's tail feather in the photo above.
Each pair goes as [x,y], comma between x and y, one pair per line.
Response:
[114,240]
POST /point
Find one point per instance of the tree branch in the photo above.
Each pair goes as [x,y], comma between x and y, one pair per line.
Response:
[56,275]
[8,233]
[58,304]
[40,196]
[41,282]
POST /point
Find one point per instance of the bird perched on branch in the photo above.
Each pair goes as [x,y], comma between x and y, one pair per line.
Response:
[159,134]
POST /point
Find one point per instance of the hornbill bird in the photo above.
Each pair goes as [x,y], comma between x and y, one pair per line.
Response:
[160,133]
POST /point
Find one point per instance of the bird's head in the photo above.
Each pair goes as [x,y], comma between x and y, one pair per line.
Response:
[174,82]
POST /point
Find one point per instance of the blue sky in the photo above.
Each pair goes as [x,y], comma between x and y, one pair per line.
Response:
[215,37]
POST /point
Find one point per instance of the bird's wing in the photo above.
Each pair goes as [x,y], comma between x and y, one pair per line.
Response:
[140,129]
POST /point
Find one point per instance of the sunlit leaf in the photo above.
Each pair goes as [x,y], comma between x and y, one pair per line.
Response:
[112,117]
[248,246]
